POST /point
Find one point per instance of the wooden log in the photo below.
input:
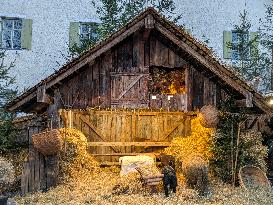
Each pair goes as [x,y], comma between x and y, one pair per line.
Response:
[153,183]
[158,179]
[153,176]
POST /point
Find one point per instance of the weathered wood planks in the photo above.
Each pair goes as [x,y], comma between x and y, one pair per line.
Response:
[127,131]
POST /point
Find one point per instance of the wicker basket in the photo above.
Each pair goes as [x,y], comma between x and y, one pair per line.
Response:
[49,142]
[253,177]
[209,116]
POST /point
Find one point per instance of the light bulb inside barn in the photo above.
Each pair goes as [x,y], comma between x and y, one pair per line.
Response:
[269,98]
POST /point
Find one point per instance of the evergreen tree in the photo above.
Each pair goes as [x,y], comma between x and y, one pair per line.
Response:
[114,14]
[245,55]
[7,93]
[249,58]
[266,39]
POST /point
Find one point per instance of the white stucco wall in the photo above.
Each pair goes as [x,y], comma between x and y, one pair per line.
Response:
[51,18]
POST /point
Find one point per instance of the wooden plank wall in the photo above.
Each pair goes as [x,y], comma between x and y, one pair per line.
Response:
[202,90]
[175,102]
[33,175]
[127,126]
[119,78]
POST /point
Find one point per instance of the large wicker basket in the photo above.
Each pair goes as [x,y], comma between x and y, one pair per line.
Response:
[253,177]
[209,116]
[48,142]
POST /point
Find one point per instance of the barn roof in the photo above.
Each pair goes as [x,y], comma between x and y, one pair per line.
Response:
[197,50]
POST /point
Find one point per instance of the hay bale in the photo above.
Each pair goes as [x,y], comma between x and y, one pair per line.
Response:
[195,170]
[49,142]
[209,116]
[253,177]
[130,163]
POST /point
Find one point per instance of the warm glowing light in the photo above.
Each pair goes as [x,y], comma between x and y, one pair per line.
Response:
[270,102]
[198,143]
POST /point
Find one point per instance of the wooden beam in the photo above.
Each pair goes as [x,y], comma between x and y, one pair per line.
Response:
[42,96]
[249,98]
[18,104]
[127,73]
[86,121]
[129,87]
[128,144]
[120,154]
[109,163]
[166,134]
[149,21]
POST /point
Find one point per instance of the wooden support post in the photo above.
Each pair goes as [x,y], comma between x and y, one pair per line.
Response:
[51,171]
[42,96]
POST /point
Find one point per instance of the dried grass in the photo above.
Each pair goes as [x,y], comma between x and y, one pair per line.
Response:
[7,174]
[98,189]
[74,158]
[198,143]
[195,170]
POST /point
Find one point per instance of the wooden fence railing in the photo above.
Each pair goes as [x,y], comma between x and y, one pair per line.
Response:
[115,133]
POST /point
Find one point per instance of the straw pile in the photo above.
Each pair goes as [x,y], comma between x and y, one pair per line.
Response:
[198,143]
[195,171]
[74,158]
[48,142]
[7,174]
[97,189]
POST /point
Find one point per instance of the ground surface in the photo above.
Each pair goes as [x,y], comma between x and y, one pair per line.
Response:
[107,188]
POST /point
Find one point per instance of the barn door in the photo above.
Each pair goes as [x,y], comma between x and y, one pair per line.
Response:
[129,90]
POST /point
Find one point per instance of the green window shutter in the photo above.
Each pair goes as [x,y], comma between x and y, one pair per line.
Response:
[253,37]
[26,34]
[227,40]
[74,34]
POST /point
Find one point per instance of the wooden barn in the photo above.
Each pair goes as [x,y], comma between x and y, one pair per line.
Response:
[133,92]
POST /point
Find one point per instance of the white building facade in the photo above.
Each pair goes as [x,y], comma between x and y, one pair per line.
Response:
[36,33]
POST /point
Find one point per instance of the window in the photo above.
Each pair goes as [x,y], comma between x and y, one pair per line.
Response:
[240,46]
[235,42]
[88,31]
[11,33]
[15,33]
[82,31]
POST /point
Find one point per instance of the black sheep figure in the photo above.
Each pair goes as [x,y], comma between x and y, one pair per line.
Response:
[169,178]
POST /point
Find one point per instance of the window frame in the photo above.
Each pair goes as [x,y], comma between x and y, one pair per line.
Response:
[236,42]
[91,26]
[2,19]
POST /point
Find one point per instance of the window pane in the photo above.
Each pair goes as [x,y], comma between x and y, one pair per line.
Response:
[84,36]
[234,37]
[7,24]
[94,34]
[17,39]
[7,39]
[18,24]
[235,55]
[84,29]
[245,36]
[6,35]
